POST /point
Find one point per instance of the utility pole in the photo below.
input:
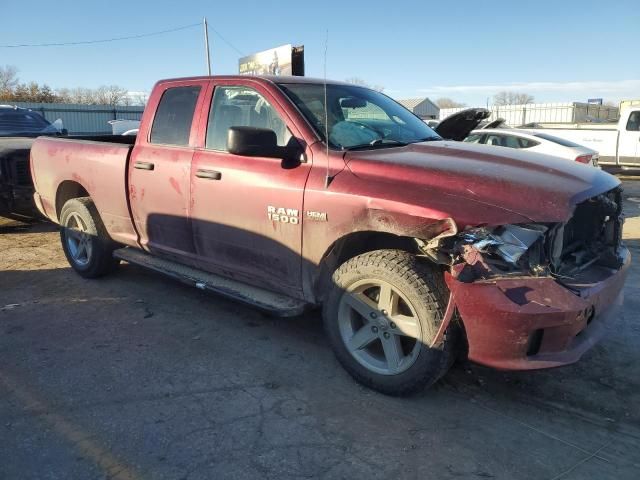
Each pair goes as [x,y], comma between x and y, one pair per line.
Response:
[206,46]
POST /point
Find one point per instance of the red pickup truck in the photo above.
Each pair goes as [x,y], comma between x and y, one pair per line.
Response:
[289,193]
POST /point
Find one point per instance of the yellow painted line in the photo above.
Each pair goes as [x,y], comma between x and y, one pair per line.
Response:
[102,457]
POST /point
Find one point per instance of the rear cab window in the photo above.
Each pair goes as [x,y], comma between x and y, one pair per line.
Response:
[174,116]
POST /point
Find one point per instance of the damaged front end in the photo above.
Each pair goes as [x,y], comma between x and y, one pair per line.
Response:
[539,294]
[592,237]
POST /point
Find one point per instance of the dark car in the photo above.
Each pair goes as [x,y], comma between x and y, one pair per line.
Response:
[18,128]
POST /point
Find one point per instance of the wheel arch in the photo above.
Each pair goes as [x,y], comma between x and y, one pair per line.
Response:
[66,191]
[352,245]
[406,236]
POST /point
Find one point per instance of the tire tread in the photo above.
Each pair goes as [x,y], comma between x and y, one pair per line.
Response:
[103,262]
[428,284]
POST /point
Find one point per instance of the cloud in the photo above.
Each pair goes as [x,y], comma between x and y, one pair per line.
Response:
[618,87]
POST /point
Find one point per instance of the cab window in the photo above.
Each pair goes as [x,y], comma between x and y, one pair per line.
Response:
[172,123]
[633,124]
[241,107]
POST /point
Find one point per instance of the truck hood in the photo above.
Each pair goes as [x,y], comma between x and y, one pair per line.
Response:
[538,187]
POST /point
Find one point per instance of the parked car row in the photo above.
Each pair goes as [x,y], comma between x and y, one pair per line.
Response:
[617,145]
[540,142]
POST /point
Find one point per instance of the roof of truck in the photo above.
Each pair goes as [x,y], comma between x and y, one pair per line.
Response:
[270,78]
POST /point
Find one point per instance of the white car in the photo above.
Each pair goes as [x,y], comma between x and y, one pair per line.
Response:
[540,142]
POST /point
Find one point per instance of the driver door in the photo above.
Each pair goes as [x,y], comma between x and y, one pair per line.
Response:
[234,197]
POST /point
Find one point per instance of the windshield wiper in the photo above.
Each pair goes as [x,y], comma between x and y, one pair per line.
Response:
[428,139]
[378,142]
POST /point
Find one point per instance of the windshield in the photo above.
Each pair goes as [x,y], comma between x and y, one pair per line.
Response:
[357,117]
[22,122]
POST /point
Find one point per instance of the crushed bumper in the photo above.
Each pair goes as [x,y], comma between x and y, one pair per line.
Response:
[530,323]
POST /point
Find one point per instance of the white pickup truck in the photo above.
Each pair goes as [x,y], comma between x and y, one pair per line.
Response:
[618,145]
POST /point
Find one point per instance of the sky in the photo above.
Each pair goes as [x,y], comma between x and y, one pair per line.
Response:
[554,50]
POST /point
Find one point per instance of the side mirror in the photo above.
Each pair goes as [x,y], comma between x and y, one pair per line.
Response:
[253,142]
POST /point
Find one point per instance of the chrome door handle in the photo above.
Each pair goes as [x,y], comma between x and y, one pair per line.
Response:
[209,174]
[144,165]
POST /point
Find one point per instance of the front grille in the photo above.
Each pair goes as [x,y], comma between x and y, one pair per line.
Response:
[591,236]
[22,175]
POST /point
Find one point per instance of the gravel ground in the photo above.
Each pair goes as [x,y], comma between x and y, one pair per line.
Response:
[136,376]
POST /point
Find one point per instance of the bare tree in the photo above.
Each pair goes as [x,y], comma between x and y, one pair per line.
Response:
[12,90]
[110,95]
[30,92]
[137,98]
[446,102]
[64,95]
[512,98]
[359,81]
[8,79]
[82,95]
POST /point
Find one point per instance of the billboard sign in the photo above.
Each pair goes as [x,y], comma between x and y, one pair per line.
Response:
[283,60]
[595,101]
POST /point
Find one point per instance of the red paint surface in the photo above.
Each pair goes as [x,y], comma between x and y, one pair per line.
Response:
[499,317]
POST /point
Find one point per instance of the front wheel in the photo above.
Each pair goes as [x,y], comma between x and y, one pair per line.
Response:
[85,242]
[383,311]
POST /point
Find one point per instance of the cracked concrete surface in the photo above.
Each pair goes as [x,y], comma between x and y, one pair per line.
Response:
[137,376]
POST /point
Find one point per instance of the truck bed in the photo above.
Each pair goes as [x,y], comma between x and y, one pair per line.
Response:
[120,139]
[96,165]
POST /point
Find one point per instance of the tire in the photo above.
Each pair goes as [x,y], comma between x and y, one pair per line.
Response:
[382,312]
[85,241]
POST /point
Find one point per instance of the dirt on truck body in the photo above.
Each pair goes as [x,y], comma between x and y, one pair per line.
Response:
[414,244]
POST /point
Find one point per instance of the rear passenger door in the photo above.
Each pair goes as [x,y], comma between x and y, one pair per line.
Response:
[160,167]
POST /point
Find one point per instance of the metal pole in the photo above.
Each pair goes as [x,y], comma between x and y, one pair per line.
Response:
[206,46]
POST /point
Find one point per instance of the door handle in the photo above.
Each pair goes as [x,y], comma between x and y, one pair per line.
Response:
[209,174]
[144,165]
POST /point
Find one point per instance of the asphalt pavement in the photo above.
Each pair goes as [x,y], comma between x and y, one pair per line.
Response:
[135,376]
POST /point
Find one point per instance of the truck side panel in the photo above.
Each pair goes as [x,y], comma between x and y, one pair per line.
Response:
[98,167]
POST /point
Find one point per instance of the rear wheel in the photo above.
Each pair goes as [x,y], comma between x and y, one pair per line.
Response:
[85,242]
[381,316]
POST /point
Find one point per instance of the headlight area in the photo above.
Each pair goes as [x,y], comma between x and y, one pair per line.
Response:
[478,253]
